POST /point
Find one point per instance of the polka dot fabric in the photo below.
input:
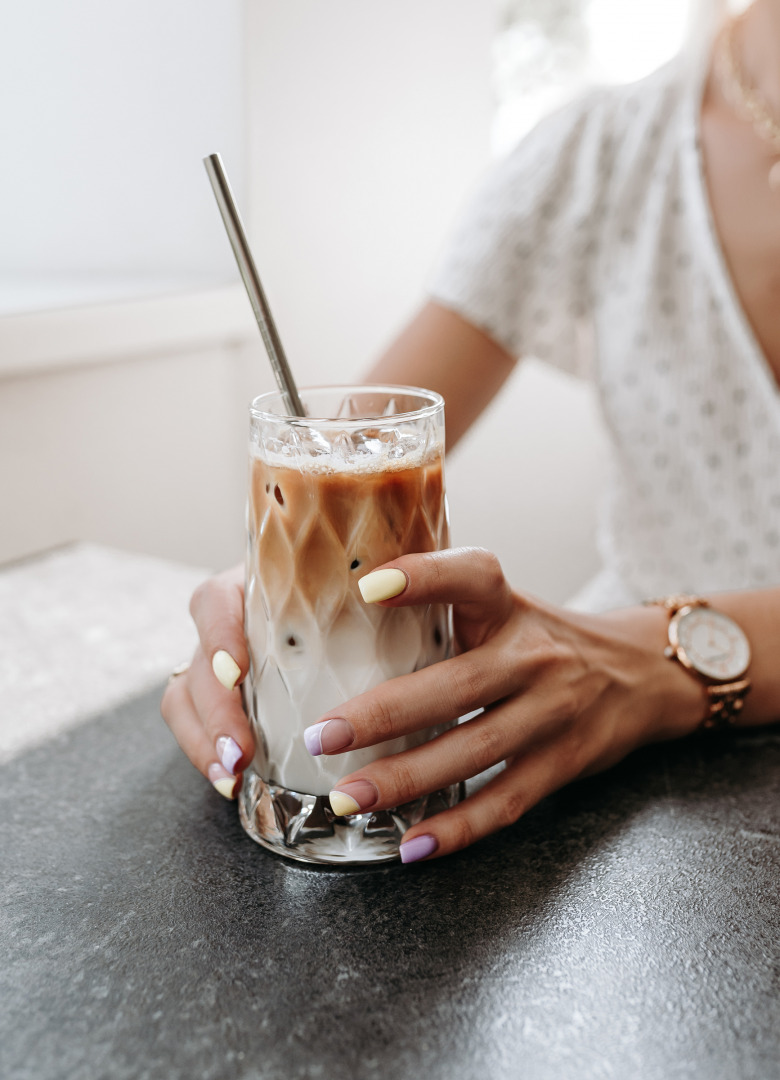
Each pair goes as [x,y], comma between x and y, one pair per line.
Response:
[592,247]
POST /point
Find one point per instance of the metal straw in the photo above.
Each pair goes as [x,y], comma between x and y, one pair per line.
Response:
[251,278]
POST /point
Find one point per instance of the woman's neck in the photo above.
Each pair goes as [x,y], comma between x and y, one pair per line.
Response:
[758,50]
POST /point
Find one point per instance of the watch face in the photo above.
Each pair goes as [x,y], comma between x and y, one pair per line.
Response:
[712,644]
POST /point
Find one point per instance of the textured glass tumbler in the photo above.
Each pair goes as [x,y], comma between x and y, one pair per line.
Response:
[357,482]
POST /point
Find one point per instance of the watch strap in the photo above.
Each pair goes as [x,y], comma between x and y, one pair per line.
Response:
[725,704]
[724,700]
[677,602]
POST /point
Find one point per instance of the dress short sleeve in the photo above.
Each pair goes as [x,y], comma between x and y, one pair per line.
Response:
[519,262]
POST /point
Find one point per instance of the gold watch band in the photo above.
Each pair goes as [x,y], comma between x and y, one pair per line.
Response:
[725,704]
[724,700]
[674,603]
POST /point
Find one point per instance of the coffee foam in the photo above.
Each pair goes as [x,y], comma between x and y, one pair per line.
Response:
[334,463]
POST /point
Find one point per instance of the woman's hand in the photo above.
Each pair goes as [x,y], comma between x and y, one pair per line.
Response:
[565,695]
[202,707]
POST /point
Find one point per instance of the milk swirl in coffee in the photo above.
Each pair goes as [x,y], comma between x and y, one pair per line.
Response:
[320,518]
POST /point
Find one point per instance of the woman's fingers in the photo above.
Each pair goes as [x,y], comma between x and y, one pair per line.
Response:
[513,728]
[470,578]
[179,713]
[222,716]
[217,606]
[209,725]
[520,660]
[205,713]
[525,782]
[434,695]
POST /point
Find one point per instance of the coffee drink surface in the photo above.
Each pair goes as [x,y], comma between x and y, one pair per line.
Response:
[315,528]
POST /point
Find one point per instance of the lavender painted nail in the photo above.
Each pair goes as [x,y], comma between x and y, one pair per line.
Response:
[229,753]
[328,737]
[418,848]
[312,738]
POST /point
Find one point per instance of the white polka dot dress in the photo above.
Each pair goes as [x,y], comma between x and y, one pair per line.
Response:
[592,247]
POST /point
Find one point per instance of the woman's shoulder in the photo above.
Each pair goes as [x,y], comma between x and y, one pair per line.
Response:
[523,260]
[601,128]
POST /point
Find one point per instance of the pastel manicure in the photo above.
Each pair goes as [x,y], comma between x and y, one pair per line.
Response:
[312,738]
[224,784]
[343,805]
[226,669]
[382,585]
[229,753]
[419,847]
[353,798]
[328,737]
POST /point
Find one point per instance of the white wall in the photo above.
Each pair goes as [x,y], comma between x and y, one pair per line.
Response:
[145,453]
[106,110]
[367,126]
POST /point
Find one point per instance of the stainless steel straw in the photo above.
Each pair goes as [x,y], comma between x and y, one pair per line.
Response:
[251,278]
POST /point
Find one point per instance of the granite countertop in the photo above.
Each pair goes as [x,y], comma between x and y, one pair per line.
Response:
[626,927]
[82,628]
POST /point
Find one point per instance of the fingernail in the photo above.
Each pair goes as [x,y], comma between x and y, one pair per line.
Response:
[229,753]
[328,737]
[226,669]
[222,781]
[382,585]
[419,847]
[353,798]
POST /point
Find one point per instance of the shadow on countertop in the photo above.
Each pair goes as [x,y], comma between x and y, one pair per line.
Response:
[627,926]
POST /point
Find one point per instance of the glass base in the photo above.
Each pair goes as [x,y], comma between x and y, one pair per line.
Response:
[304,827]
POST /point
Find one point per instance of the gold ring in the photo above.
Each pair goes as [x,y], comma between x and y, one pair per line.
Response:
[180,669]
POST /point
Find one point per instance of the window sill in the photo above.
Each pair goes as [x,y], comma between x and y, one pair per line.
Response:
[32,342]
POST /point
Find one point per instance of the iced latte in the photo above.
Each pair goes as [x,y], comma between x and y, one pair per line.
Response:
[329,501]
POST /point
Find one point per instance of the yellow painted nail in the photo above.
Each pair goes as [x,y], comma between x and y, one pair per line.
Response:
[382,585]
[226,669]
[226,786]
[343,805]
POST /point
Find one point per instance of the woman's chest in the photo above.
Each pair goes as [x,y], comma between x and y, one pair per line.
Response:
[679,376]
[746,217]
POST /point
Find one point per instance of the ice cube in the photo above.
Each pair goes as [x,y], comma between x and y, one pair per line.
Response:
[277,443]
[311,442]
[406,443]
[355,447]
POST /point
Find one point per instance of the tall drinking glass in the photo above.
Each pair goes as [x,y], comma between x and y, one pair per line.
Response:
[355,483]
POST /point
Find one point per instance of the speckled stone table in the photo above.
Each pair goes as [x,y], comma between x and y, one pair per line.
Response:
[82,628]
[627,927]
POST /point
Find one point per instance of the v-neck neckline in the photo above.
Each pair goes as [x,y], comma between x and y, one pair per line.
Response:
[694,162]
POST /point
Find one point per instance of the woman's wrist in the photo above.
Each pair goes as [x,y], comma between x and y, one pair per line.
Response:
[677,700]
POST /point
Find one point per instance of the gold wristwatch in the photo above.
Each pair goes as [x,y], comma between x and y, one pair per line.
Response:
[711,646]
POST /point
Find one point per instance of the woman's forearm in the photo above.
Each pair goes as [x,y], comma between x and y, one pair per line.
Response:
[441,351]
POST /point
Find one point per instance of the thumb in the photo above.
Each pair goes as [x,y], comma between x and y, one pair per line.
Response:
[470,578]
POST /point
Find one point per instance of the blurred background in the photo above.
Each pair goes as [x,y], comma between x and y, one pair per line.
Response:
[352,132]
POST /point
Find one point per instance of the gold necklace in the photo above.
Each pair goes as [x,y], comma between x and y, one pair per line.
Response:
[746,101]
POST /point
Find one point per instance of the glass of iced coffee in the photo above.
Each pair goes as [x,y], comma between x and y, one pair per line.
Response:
[356,482]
